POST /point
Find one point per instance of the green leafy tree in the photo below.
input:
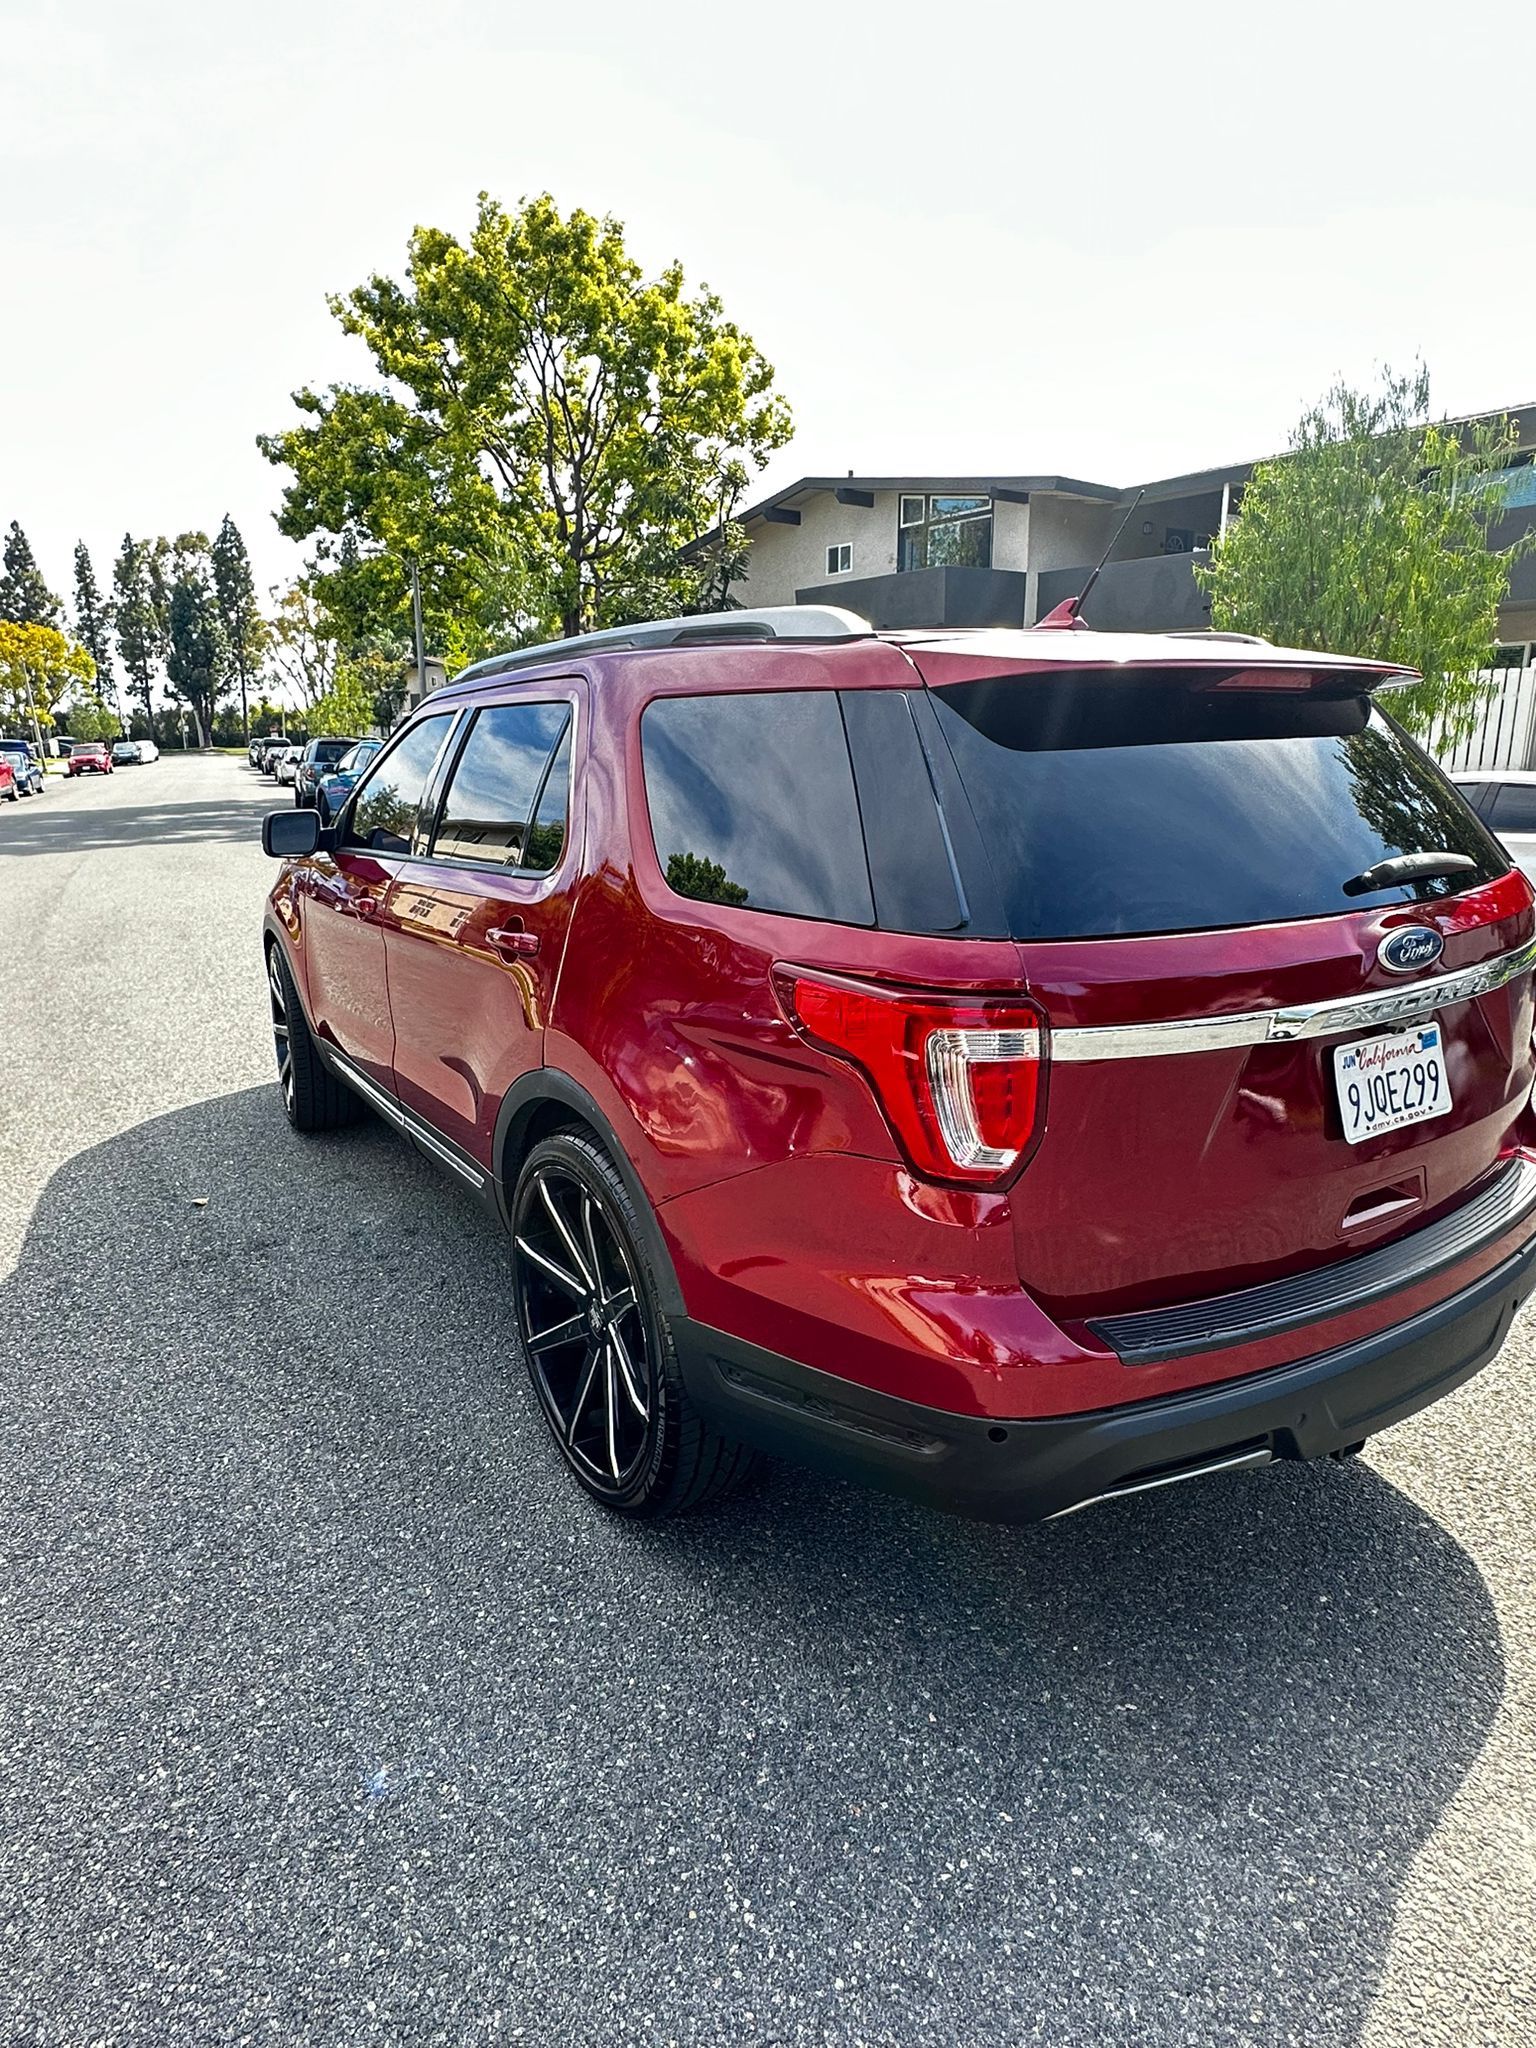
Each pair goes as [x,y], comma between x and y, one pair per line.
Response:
[139,611]
[38,666]
[197,664]
[346,708]
[548,431]
[89,717]
[245,630]
[304,653]
[93,620]
[1370,537]
[25,598]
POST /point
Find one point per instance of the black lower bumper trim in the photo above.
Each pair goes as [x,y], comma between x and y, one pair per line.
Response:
[1022,1471]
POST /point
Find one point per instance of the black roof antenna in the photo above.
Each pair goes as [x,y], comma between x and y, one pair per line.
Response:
[1068,613]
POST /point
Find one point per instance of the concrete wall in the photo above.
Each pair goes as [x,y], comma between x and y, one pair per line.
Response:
[930,597]
[785,559]
[1157,595]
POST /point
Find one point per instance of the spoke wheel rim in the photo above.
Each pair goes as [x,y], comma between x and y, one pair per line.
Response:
[586,1332]
[282,1044]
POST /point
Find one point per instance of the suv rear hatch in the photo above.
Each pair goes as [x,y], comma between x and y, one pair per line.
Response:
[1178,849]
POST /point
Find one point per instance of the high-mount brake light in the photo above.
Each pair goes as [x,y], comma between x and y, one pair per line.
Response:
[957,1077]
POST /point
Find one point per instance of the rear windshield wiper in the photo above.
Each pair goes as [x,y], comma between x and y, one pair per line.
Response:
[1408,867]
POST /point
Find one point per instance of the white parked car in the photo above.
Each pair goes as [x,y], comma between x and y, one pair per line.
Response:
[285,764]
[148,752]
[1505,800]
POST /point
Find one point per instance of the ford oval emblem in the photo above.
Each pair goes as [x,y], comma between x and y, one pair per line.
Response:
[1410,948]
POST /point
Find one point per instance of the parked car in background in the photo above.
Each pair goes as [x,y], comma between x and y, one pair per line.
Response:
[148,752]
[10,788]
[261,745]
[335,787]
[89,757]
[125,753]
[316,760]
[1021,1068]
[1505,800]
[270,749]
[28,770]
[285,764]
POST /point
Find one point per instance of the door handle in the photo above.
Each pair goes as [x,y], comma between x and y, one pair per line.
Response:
[513,945]
[366,906]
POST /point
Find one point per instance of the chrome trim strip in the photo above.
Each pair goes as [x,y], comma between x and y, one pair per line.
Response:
[404,1119]
[1240,1461]
[1077,1044]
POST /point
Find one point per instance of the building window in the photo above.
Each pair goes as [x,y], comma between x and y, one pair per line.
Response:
[945,532]
[840,558]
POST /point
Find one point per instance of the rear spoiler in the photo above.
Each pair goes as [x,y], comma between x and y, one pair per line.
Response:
[1213,664]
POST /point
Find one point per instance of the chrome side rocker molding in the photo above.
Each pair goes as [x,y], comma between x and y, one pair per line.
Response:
[1078,1044]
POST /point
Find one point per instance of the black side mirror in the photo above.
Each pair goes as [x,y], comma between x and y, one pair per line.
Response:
[289,835]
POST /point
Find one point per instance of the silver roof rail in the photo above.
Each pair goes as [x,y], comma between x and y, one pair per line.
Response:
[1215,633]
[769,622]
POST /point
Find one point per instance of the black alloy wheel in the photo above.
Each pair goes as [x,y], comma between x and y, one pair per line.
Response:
[597,1344]
[588,1336]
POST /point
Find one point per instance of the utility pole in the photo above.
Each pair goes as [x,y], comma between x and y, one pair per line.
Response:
[421,645]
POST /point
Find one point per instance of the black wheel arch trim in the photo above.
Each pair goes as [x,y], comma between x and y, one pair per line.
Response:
[535,1091]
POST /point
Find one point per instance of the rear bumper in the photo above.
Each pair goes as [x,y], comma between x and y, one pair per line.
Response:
[1022,1471]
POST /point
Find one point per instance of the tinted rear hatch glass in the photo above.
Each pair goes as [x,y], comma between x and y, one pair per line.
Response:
[1147,805]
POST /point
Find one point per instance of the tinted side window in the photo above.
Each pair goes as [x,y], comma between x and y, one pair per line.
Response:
[384,815]
[1514,807]
[496,782]
[909,861]
[546,835]
[752,802]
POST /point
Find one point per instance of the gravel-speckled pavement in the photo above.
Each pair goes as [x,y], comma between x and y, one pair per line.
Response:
[329,1713]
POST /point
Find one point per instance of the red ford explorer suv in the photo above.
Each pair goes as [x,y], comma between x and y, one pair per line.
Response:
[91,757]
[1018,1068]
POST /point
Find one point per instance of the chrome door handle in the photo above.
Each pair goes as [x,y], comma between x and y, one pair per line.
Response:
[513,945]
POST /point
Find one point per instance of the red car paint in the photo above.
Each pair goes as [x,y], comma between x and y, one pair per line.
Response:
[92,757]
[795,1217]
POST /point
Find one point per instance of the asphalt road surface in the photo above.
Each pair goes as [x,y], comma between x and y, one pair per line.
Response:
[329,1713]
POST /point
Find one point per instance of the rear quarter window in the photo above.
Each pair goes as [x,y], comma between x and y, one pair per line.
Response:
[752,802]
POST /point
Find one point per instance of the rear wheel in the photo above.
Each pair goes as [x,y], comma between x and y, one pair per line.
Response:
[312,1096]
[597,1344]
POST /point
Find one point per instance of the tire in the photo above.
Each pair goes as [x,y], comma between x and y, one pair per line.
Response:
[313,1098]
[610,1391]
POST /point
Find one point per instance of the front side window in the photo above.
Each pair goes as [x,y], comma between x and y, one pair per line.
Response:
[497,786]
[752,802]
[383,816]
[950,531]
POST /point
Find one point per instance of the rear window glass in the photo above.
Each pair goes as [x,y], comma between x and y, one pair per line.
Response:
[752,802]
[1114,806]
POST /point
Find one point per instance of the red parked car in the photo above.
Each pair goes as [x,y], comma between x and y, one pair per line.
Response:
[10,787]
[1018,1068]
[90,757]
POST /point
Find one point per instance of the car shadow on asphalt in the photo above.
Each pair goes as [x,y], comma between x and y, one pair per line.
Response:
[36,829]
[299,1600]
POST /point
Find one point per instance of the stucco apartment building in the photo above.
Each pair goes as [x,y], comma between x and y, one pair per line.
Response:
[1002,550]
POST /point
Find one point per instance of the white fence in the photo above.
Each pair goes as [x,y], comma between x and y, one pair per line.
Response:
[1503,735]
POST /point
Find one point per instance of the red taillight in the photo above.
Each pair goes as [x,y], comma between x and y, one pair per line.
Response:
[957,1077]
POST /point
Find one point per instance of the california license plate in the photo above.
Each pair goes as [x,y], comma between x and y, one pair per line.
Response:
[1385,1083]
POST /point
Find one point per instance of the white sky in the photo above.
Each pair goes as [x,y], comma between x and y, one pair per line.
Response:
[1118,241]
